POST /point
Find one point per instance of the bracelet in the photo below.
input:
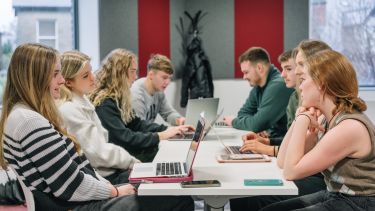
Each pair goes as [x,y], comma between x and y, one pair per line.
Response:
[304,115]
[274,151]
[117,193]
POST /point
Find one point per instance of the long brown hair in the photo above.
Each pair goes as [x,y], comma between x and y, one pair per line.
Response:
[112,82]
[337,78]
[29,74]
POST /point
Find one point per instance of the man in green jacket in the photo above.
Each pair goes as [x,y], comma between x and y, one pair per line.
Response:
[264,109]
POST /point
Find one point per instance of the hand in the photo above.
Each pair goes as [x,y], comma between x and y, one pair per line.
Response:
[264,134]
[256,147]
[123,190]
[313,115]
[228,120]
[251,136]
[180,121]
[177,130]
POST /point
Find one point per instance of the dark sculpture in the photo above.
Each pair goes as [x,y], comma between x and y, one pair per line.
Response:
[196,76]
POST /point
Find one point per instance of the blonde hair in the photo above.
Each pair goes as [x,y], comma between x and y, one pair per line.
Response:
[71,63]
[160,62]
[29,75]
[112,82]
[337,78]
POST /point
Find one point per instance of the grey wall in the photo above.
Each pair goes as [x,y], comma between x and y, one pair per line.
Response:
[119,29]
[118,25]
[296,22]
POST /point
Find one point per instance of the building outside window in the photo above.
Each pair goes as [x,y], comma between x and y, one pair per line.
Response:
[50,22]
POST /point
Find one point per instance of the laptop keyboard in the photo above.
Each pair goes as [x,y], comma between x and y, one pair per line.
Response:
[173,168]
[221,124]
[236,150]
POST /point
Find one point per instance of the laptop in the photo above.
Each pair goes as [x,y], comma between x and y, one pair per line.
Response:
[189,135]
[172,171]
[196,106]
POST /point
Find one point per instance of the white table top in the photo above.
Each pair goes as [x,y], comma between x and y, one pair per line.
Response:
[230,175]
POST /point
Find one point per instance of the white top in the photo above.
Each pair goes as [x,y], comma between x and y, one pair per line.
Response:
[82,121]
[147,106]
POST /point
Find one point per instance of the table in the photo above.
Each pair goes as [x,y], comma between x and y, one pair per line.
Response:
[230,175]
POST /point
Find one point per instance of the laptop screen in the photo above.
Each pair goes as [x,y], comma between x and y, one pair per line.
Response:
[194,144]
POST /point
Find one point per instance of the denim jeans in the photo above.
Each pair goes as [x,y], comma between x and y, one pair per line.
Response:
[325,201]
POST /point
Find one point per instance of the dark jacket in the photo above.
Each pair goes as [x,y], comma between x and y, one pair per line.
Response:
[197,76]
[137,136]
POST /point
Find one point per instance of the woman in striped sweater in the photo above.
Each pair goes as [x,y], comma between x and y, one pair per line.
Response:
[33,142]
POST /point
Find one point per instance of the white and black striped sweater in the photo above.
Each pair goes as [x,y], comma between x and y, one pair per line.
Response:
[47,161]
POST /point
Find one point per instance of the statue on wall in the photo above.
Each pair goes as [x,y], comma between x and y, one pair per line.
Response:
[196,75]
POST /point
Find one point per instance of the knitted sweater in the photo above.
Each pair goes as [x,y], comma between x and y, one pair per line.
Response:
[47,161]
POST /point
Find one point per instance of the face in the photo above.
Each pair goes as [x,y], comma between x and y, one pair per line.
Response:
[288,73]
[160,80]
[310,92]
[250,73]
[57,80]
[132,72]
[83,82]
[301,64]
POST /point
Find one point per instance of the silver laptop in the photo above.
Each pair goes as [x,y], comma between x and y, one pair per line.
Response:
[190,135]
[196,106]
[172,171]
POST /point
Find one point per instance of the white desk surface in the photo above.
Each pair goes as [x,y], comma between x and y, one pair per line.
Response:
[230,175]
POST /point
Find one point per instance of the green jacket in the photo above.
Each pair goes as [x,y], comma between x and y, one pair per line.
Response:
[265,107]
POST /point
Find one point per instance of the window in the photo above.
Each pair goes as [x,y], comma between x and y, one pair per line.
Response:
[348,27]
[49,22]
[47,33]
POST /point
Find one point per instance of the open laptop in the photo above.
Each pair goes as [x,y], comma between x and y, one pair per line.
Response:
[196,106]
[189,135]
[174,171]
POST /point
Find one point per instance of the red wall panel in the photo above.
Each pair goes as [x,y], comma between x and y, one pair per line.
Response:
[153,31]
[258,23]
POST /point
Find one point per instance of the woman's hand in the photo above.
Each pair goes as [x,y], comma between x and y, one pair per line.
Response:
[312,114]
[172,131]
[256,147]
[123,190]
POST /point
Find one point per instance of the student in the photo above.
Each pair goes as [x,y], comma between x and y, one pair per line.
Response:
[34,143]
[307,185]
[341,145]
[148,98]
[79,115]
[265,107]
[259,144]
[111,161]
[112,102]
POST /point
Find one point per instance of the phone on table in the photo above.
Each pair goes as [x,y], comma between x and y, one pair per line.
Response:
[263,182]
[201,184]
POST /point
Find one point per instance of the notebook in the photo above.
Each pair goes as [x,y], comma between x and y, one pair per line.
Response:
[196,106]
[190,135]
[172,171]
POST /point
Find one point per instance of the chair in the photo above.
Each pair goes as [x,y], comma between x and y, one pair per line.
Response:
[26,191]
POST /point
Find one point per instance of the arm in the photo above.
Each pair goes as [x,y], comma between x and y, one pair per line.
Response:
[48,152]
[91,136]
[166,111]
[269,111]
[297,164]
[119,133]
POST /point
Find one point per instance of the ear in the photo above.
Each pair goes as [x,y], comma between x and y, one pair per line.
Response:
[150,74]
[68,83]
[260,67]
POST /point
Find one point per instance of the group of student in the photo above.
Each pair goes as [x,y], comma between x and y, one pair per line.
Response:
[73,137]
